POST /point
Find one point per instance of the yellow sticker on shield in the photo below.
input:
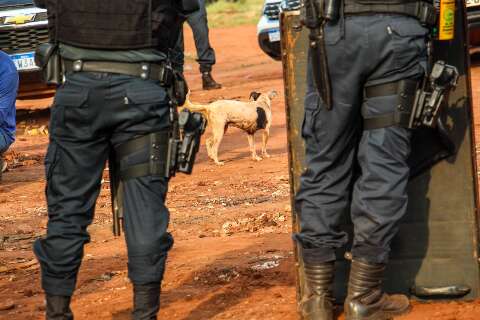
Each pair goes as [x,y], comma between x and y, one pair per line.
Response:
[446,28]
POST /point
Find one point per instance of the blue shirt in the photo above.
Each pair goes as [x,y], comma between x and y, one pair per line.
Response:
[8,96]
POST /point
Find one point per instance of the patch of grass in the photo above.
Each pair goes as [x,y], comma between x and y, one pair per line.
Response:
[222,14]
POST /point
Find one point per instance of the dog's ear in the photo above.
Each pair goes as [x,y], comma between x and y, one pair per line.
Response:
[254,95]
[272,94]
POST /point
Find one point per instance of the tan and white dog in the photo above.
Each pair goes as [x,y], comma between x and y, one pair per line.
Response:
[250,116]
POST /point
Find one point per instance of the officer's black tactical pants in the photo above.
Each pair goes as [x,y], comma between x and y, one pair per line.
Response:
[362,51]
[205,53]
[93,112]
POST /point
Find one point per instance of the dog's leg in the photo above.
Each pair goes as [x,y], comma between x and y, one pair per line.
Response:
[265,136]
[216,140]
[208,144]
[251,142]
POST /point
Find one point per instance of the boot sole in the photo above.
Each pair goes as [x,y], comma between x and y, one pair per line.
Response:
[383,316]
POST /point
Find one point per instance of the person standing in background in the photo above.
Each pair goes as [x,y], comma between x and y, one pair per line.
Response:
[8,96]
[205,53]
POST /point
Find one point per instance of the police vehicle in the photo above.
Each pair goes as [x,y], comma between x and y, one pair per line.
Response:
[268,28]
[22,28]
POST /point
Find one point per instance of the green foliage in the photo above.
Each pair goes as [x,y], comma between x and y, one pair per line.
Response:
[230,13]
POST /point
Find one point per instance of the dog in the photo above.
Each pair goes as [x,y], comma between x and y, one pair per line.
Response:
[250,116]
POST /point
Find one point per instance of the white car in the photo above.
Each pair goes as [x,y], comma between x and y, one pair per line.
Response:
[268,28]
[22,28]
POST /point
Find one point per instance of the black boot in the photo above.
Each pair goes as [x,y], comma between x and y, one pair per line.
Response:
[58,308]
[146,301]
[366,300]
[317,300]
[208,83]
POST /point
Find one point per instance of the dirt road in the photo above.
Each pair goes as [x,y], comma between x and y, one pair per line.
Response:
[232,257]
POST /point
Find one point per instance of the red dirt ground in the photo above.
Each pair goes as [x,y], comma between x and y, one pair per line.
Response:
[229,222]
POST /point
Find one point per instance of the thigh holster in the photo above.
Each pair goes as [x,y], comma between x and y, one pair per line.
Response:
[156,164]
[419,101]
[405,91]
[167,152]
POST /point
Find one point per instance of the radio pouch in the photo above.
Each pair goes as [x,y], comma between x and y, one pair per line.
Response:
[48,59]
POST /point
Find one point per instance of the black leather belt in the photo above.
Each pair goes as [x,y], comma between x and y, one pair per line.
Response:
[149,71]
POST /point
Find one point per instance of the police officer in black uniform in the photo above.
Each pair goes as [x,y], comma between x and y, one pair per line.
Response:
[374,53]
[116,96]
[206,55]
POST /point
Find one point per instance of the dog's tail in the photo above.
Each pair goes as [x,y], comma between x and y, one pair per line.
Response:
[194,107]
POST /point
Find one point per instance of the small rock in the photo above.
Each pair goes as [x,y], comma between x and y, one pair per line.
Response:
[265,265]
[107,276]
[7,305]
[28,293]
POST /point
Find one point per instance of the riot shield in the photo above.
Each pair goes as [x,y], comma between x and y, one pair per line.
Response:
[435,254]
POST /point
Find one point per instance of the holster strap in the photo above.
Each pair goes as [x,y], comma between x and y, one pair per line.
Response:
[386,89]
[405,90]
[423,11]
[157,144]
[148,71]
[383,121]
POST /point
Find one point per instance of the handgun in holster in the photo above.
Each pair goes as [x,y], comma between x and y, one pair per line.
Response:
[433,94]
[185,144]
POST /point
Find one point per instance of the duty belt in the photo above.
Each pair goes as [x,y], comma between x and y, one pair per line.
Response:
[149,71]
[423,11]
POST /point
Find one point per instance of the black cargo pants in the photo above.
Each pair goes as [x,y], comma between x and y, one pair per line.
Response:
[205,54]
[362,51]
[92,113]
